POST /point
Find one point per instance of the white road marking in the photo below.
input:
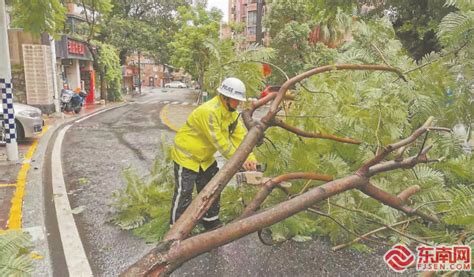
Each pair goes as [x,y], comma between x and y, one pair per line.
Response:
[156,101]
[104,110]
[76,259]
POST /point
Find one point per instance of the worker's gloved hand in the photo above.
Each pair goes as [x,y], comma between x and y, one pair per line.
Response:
[250,165]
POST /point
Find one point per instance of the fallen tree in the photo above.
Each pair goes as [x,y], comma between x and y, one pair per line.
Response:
[176,247]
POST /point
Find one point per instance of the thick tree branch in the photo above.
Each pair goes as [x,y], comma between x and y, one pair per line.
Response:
[306,134]
[248,120]
[184,250]
[262,101]
[408,192]
[268,186]
[392,165]
[394,201]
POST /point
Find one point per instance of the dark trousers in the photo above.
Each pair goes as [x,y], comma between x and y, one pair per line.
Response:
[183,191]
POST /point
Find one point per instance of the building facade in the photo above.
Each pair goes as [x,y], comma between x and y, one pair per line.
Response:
[246,12]
[151,74]
[74,56]
[35,59]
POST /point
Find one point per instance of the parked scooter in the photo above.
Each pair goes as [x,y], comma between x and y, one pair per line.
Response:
[72,101]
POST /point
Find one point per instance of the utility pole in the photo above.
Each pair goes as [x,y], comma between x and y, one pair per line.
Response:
[6,89]
[139,75]
[52,44]
[258,31]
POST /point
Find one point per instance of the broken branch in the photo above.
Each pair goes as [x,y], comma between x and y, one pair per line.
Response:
[395,202]
[267,188]
[363,170]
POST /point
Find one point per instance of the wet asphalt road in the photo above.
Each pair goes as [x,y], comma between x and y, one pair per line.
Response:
[96,151]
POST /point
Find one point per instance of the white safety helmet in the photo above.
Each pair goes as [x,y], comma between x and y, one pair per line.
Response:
[233,88]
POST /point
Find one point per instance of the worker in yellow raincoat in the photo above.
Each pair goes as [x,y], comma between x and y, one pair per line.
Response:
[213,126]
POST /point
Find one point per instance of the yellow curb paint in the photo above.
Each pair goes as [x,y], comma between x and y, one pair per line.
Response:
[14,220]
[36,256]
[7,185]
[165,120]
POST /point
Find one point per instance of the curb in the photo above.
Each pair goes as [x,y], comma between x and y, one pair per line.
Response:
[33,215]
[164,118]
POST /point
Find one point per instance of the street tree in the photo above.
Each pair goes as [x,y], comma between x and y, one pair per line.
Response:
[196,26]
[373,134]
[38,17]
[229,59]
[145,25]
[105,56]
[297,27]
[415,23]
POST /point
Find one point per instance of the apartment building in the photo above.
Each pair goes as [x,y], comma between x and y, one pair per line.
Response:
[246,12]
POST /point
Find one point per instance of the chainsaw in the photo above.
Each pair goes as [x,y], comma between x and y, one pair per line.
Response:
[255,178]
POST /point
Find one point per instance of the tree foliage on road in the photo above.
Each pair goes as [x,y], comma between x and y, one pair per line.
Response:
[397,170]
[15,256]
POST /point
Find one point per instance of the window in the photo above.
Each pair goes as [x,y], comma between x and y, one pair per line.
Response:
[252,18]
[251,30]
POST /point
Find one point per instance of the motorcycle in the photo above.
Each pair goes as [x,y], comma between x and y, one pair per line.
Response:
[71,101]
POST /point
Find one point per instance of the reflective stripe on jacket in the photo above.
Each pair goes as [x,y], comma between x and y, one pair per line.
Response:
[205,132]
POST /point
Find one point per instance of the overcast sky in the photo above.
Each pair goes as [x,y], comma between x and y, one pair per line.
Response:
[220,4]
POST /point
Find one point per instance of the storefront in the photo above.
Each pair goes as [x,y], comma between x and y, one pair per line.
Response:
[76,66]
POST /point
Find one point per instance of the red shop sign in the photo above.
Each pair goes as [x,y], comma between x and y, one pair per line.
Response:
[75,48]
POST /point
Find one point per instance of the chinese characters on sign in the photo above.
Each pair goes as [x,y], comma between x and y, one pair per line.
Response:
[430,258]
[75,48]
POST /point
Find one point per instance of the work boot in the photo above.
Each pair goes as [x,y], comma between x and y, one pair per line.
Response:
[211,225]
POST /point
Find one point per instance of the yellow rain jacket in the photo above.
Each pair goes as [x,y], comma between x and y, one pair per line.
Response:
[205,132]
